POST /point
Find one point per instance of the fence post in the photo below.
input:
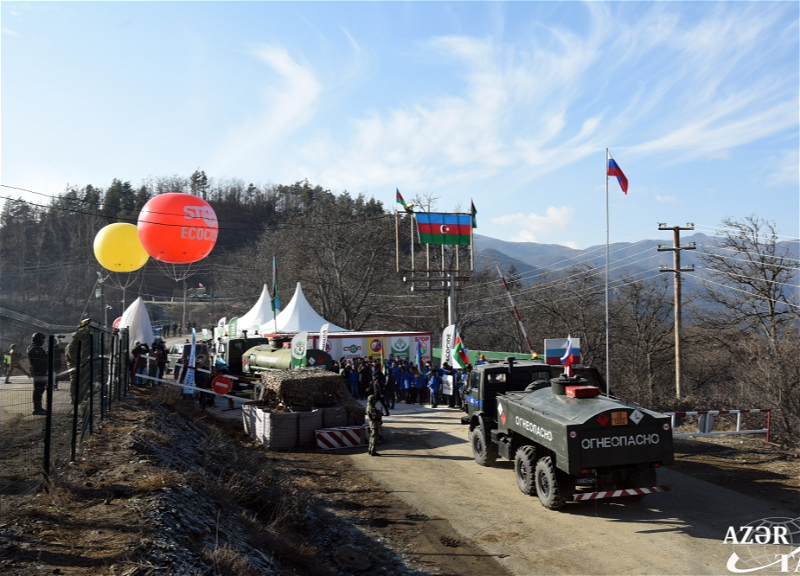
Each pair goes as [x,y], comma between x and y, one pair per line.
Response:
[76,401]
[102,377]
[91,384]
[48,423]
[769,423]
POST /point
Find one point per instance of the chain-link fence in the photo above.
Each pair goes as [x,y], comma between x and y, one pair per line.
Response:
[69,379]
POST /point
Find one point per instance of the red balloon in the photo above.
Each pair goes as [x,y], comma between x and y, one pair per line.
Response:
[178,228]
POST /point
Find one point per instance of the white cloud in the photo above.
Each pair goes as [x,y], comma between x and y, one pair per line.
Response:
[9,32]
[785,170]
[287,106]
[533,227]
[667,199]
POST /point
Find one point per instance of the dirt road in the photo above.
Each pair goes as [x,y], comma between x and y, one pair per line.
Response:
[427,462]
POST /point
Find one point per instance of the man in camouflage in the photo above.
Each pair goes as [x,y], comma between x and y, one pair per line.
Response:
[375,420]
[82,337]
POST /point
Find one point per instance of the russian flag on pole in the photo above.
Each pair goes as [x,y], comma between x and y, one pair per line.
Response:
[615,170]
[568,358]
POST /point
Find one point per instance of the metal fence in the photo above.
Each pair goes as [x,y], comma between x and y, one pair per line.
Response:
[39,435]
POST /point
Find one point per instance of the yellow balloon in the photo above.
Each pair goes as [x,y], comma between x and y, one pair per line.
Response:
[117,247]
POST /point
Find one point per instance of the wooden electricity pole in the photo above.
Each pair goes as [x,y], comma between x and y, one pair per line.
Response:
[676,269]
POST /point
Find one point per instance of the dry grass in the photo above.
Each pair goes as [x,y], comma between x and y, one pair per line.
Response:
[228,561]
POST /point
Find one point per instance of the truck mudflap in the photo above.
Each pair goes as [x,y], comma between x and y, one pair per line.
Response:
[621,493]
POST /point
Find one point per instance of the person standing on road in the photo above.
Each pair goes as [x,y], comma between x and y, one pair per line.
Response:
[375,420]
[152,364]
[435,384]
[38,359]
[15,364]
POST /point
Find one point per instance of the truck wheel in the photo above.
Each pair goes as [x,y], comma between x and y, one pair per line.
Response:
[484,453]
[525,469]
[547,484]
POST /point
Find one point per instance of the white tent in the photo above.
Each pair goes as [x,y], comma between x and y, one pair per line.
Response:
[259,315]
[296,317]
[137,320]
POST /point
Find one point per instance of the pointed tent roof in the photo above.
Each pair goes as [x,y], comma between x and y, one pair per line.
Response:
[298,316]
[137,320]
[259,315]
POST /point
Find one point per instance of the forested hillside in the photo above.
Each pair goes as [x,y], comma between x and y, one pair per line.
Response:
[743,354]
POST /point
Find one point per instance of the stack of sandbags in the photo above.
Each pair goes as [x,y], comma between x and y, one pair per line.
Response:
[307,388]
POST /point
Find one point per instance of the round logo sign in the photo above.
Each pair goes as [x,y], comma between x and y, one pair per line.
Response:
[222,385]
[375,345]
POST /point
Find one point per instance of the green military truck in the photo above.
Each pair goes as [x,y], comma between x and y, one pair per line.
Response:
[568,441]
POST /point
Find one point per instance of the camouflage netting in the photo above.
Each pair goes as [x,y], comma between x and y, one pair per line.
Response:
[308,388]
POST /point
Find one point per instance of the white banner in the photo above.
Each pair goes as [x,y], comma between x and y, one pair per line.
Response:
[323,337]
[447,384]
[448,339]
[188,378]
[299,346]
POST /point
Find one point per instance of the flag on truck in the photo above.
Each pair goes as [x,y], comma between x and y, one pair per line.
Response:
[568,358]
[439,228]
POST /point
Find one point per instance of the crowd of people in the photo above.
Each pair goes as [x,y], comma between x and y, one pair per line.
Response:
[399,380]
[176,329]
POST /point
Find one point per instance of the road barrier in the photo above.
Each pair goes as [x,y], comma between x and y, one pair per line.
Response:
[706,421]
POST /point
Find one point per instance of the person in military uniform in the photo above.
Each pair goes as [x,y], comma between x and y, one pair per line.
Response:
[82,337]
[38,359]
[375,420]
[15,364]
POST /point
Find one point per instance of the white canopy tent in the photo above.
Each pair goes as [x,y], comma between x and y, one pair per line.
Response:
[258,316]
[296,317]
[137,320]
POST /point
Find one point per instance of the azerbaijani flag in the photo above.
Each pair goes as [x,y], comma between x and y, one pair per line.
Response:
[438,228]
[615,170]
[276,303]
[460,352]
[402,202]
[474,215]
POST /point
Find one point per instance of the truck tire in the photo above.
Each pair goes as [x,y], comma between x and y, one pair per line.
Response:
[547,488]
[485,453]
[525,469]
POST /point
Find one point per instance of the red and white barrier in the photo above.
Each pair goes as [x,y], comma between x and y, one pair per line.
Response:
[621,493]
[346,437]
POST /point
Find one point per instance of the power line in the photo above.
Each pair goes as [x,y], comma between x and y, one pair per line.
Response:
[706,280]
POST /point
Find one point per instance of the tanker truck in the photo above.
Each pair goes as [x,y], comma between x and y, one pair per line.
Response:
[567,441]
[274,357]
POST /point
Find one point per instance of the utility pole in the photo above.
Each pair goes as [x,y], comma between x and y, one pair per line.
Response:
[101,293]
[676,269]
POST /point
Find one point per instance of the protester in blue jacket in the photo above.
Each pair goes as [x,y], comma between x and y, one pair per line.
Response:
[435,384]
[418,392]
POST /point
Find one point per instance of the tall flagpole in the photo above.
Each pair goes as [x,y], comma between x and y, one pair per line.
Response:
[608,359]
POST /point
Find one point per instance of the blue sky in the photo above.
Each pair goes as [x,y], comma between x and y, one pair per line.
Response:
[510,104]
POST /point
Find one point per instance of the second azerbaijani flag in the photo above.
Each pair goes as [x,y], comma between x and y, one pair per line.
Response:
[402,202]
[613,169]
[460,353]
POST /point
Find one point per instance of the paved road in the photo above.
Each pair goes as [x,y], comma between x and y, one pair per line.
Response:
[427,462]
